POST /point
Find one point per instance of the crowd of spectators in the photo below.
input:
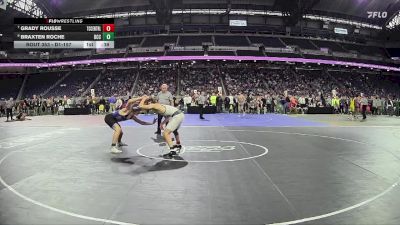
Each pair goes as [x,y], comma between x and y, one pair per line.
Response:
[150,80]
[117,82]
[206,79]
[38,105]
[294,90]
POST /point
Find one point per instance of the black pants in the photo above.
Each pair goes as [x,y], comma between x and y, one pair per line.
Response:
[227,105]
[373,111]
[159,119]
[364,110]
[269,108]
[201,111]
[9,113]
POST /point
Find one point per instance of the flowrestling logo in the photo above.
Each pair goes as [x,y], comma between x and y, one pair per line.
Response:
[380,15]
[208,148]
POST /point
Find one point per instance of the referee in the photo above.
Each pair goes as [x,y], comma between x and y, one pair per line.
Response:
[163,97]
[364,104]
[9,108]
[201,100]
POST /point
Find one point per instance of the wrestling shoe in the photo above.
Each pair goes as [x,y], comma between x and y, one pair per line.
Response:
[172,153]
[169,155]
[115,150]
[122,144]
[178,148]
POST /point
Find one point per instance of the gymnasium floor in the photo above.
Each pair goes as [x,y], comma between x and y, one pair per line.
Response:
[257,169]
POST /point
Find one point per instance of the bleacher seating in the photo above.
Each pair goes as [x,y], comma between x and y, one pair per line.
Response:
[4,61]
[235,40]
[351,47]
[75,84]
[325,57]
[267,41]
[393,52]
[25,60]
[301,43]
[283,54]
[145,54]
[10,85]
[333,46]
[38,83]
[107,56]
[72,58]
[373,51]
[249,53]
[185,53]
[124,42]
[225,40]
[157,41]
[194,40]
[221,53]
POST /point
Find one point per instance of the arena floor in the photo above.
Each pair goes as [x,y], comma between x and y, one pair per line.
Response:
[257,169]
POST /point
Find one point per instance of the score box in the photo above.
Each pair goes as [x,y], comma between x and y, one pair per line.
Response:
[104,44]
[108,27]
[108,36]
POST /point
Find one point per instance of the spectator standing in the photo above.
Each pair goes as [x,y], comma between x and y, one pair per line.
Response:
[268,101]
[187,101]
[2,107]
[380,105]
[118,104]
[374,105]
[69,103]
[112,102]
[302,103]
[226,104]
[389,106]
[241,101]
[220,102]
[231,104]
[342,105]
[213,99]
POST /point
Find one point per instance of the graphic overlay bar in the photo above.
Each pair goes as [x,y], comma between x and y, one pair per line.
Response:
[63,44]
[44,21]
[71,36]
[47,33]
[59,28]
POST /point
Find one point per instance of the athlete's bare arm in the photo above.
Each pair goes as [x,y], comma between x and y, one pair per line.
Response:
[141,122]
[154,106]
